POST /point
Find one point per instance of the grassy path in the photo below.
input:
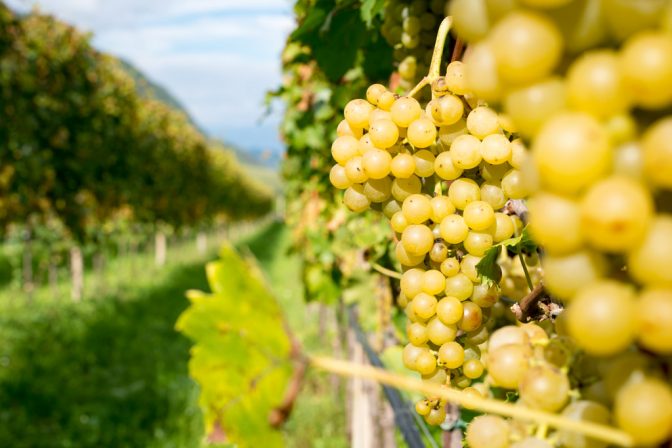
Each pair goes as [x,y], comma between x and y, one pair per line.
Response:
[112,372]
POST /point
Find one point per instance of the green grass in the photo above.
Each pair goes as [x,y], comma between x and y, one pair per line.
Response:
[112,372]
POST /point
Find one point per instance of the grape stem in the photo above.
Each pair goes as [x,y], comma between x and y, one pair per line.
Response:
[527,273]
[488,405]
[522,308]
[435,66]
[457,50]
[385,271]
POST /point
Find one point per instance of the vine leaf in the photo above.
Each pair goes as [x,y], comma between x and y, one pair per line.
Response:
[371,9]
[241,356]
[488,268]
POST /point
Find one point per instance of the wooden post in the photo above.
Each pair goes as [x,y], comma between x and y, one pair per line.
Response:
[160,248]
[77,273]
[202,242]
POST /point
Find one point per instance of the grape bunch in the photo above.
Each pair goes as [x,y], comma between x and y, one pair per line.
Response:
[410,28]
[442,174]
[587,86]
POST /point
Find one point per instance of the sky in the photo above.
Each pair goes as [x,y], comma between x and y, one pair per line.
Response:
[217,57]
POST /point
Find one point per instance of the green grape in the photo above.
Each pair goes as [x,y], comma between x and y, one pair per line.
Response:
[472,316]
[519,154]
[463,191]
[459,286]
[494,173]
[565,275]
[488,431]
[473,369]
[386,100]
[470,19]
[391,207]
[424,306]
[544,387]
[402,166]
[357,113]
[515,185]
[485,295]
[601,317]
[527,47]
[417,333]
[504,227]
[555,223]
[626,17]
[478,243]
[417,239]
[483,121]
[468,267]
[405,258]
[426,363]
[462,382]
[403,188]
[354,171]
[385,116]
[450,267]
[344,148]
[439,252]
[455,78]
[571,152]
[649,263]
[479,215]
[446,110]
[616,213]
[644,410]
[507,364]
[424,163]
[407,69]
[339,178]
[656,153]
[646,64]
[436,416]
[355,199]
[440,333]
[445,168]
[410,355]
[405,111]
[587,411]
[373,93]
[365,145]
[421,133]
[344,129]
[478,336]
[449,310]
[495,149]
[545,3]
[448,134]
[441,207]
[655,320]
[411,25]
[509,334]
[439,377]
[453,229]
[582,24]
[481,72]
[377,190]
[533,105]
[376,163]
[383,133]
[451,355]
[422,407]
[427,21]
[433,282]
[398,222]
[411,282]
[417,208]
[595,84]
[465,152]
[410,41]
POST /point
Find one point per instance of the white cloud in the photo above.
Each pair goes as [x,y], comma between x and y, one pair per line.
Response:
[218,57]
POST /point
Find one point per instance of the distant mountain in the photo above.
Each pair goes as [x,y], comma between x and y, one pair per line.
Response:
[149,89]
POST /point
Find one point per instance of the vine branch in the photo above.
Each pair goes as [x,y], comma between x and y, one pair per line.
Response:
[387,272]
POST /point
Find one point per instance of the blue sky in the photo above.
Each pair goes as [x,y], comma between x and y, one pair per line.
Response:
[217,57]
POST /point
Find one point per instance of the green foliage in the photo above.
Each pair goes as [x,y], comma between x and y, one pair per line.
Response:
[488,267]
[80,146]
[241,356]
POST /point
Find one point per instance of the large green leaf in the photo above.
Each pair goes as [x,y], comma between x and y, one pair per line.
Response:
[241,354]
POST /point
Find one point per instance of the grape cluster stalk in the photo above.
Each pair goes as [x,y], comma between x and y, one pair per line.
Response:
[585,86]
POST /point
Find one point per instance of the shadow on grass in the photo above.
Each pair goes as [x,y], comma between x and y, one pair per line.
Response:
[107,373]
